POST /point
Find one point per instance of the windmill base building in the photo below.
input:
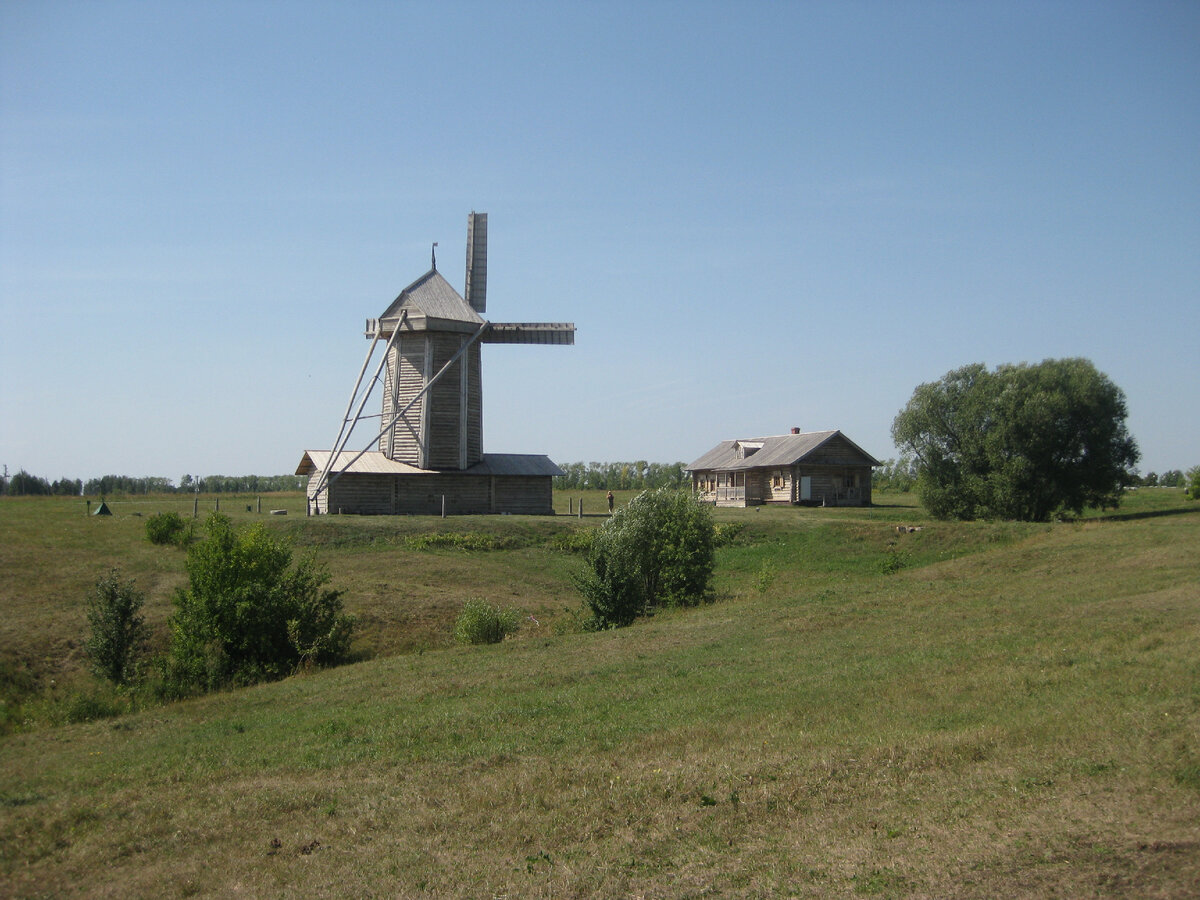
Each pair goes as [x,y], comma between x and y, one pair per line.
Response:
[427,457]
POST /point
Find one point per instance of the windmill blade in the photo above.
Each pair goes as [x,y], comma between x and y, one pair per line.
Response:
[530,333]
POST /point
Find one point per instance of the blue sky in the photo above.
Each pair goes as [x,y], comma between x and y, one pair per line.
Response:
[758,215]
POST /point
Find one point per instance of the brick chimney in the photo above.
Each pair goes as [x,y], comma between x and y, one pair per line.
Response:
[795,429]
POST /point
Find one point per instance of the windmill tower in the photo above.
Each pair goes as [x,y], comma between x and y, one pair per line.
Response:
[433,385]
[432,415]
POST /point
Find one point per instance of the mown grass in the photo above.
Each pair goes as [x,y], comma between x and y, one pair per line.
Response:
[1014,711]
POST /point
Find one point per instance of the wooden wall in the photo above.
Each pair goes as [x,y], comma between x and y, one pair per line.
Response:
[828,486]
[455,430]
[444,429]
[524,495]
[404,378]
[367,494]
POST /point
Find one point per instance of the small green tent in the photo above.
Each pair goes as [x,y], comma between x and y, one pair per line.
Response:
[102,510]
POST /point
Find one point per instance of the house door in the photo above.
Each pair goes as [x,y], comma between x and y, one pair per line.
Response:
[805,487]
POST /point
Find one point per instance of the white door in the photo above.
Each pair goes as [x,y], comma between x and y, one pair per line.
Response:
[805,487]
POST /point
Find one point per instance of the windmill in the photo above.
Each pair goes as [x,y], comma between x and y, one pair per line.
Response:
[431,373]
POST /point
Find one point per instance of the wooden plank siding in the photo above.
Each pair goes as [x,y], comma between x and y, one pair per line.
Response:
[421,495]
[406,374]
[444,406]
[830,486]
[450,414]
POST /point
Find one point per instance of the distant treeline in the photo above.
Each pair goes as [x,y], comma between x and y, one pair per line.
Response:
[24,484]
[621,476]
[1169,478]
[891,475]
[901,475]
[894,475]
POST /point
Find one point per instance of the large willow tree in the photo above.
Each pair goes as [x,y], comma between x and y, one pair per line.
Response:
[1024,442]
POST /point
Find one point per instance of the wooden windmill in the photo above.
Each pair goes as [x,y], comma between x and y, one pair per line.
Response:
[432,417]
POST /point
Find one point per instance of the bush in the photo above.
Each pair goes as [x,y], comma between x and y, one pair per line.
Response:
[1191,483]
[169,528]
[90,706]
[482,623]
[248,614]
[727,533]
[118,632]
[657,550]
[894,559]
[461,541]
[575,540]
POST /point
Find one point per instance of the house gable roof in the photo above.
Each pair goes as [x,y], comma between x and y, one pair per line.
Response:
[777,450]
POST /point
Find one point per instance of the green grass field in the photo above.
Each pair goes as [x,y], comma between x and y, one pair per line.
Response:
[970,710]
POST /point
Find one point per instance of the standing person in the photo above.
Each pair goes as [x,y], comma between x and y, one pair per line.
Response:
[610,503]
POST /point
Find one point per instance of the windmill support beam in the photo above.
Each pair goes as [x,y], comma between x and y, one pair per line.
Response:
[398,416]
[343,435]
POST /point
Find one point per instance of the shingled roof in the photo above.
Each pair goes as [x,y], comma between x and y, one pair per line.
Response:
[375,463]
[776,450]
[433,304]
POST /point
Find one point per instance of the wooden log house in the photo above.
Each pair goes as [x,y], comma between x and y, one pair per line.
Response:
[817,468]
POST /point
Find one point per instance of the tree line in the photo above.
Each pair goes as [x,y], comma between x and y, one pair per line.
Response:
[1169,478]
[25,484]
[622,476]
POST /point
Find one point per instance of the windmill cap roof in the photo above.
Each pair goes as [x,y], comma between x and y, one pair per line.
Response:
[432,303]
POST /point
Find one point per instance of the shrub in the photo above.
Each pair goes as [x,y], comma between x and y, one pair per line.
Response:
[168,528]
[118,632]
[894,559]
[727,533]
[248,614]
[461,541]
[657,550]
[482,623]
[766,577]
[1193,482]
[574,540]
[89,706]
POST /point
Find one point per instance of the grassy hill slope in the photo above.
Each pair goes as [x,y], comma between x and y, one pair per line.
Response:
[974,710]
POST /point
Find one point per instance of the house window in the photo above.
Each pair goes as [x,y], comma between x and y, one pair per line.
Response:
[777,480]
[850,481]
